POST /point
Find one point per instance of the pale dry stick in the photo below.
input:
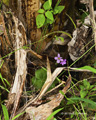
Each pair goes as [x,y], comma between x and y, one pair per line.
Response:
[55,88]
[56,72]
[21,71]
[92,16]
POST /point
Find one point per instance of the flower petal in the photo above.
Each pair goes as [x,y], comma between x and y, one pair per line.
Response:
[56,58]
[58,61]
[58,55]
[63,62]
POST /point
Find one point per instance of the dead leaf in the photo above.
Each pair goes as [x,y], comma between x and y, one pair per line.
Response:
[43,111]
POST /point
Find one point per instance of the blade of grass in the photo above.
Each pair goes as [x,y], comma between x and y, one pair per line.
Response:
[5,112]
[54,113]
[18,115]
[83,99]
[4,88]
[71,21]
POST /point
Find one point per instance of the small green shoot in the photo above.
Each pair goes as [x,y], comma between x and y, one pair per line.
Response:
[5,112]
[54,113]
[46,14]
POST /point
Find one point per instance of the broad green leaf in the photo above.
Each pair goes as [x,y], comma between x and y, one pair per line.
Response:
[81,87]
[88,68]
[54,113]
[40,11]
[50,2]
[83,93]
[5,112]
[47,6]
[58,9]
[18,115]
[39,79]
[48,21]
[40,20]
[49,15]
[86,84]
[41,74]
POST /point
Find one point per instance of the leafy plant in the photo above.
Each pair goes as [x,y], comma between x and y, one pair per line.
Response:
[84,88]
[46,14]
[39,79]
[6,115]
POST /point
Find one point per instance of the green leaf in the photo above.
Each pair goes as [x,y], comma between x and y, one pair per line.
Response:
[50,2]
[86,84]
[88,68]
[83,99]
[54,113]
[5,112]
[40,11]
[4,88]
[18,115]
[48,21]
[41,74]
[58,9]
[94,89]
[81,87]
[40,20]
[39,79]
[6,81]
[47,6]
[83,93]
[49,15]
[61,38]
[57,3]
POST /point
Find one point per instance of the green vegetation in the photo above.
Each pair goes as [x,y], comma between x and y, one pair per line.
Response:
[46,14]
[80,99]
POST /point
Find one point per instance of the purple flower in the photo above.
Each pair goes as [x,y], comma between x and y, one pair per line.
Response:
[63,62]
[58,58]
